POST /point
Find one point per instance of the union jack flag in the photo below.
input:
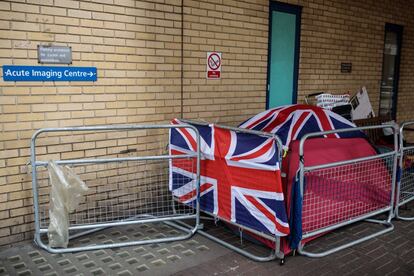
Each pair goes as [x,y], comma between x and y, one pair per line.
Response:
[291,122]
[239,181]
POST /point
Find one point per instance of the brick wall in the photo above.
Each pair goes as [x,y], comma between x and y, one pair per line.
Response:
[332,32]
[353,31]
[238,29]
[136,46]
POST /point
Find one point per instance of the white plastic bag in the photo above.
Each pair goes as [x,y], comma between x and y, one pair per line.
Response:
[67,191]
[329,101]
[388,131]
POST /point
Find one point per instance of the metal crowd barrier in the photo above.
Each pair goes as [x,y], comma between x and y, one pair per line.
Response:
[275,253]
[405,190]
[342,182]
[121,190]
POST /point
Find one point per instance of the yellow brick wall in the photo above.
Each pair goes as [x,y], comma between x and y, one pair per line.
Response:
[136,46]
[238,29]
[353,31]
[331,32]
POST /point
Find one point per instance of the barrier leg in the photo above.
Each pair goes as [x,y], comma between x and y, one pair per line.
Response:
[274,254]
[389,227]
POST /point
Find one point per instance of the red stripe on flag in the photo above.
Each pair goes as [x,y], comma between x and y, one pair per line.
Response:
[280,118]
[177,152]
[255,154]
[269,215]
[262,118]
[189,165]
[193,193]
[299,123]
[185,133]
[284,114]
[323,118]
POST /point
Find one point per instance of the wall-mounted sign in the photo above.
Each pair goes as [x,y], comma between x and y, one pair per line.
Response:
[346,67]
[48,73]
[54,54]
[213,65]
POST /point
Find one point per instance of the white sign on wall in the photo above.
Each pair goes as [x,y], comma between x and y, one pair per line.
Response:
[213,65]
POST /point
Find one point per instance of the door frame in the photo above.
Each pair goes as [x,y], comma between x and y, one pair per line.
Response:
[398,29]
[296,10]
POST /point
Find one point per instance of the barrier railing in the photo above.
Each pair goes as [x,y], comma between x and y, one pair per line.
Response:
[337,194]
[275,253]
[405,189]
[121,190]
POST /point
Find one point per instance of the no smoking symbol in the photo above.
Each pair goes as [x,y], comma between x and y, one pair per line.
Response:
[214,61]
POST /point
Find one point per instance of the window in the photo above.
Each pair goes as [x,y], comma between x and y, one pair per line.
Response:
[390,71]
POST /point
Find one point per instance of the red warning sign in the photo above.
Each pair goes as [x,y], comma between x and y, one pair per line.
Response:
[213,65]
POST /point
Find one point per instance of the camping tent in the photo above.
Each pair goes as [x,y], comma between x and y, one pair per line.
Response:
[340,196]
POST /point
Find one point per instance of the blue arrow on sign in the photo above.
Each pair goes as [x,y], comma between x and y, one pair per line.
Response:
[48,73]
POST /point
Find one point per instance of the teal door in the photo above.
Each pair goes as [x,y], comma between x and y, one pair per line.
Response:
[283,55]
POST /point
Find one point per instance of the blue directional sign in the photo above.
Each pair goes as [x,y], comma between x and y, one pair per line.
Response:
[48,73]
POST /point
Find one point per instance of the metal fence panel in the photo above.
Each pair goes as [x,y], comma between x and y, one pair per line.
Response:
[405,191]
[126,169]
[276,253]
[341,193]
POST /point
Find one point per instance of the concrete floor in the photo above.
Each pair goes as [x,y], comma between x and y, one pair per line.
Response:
[390,254]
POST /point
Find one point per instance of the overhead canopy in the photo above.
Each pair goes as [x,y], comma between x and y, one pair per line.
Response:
[292,122]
